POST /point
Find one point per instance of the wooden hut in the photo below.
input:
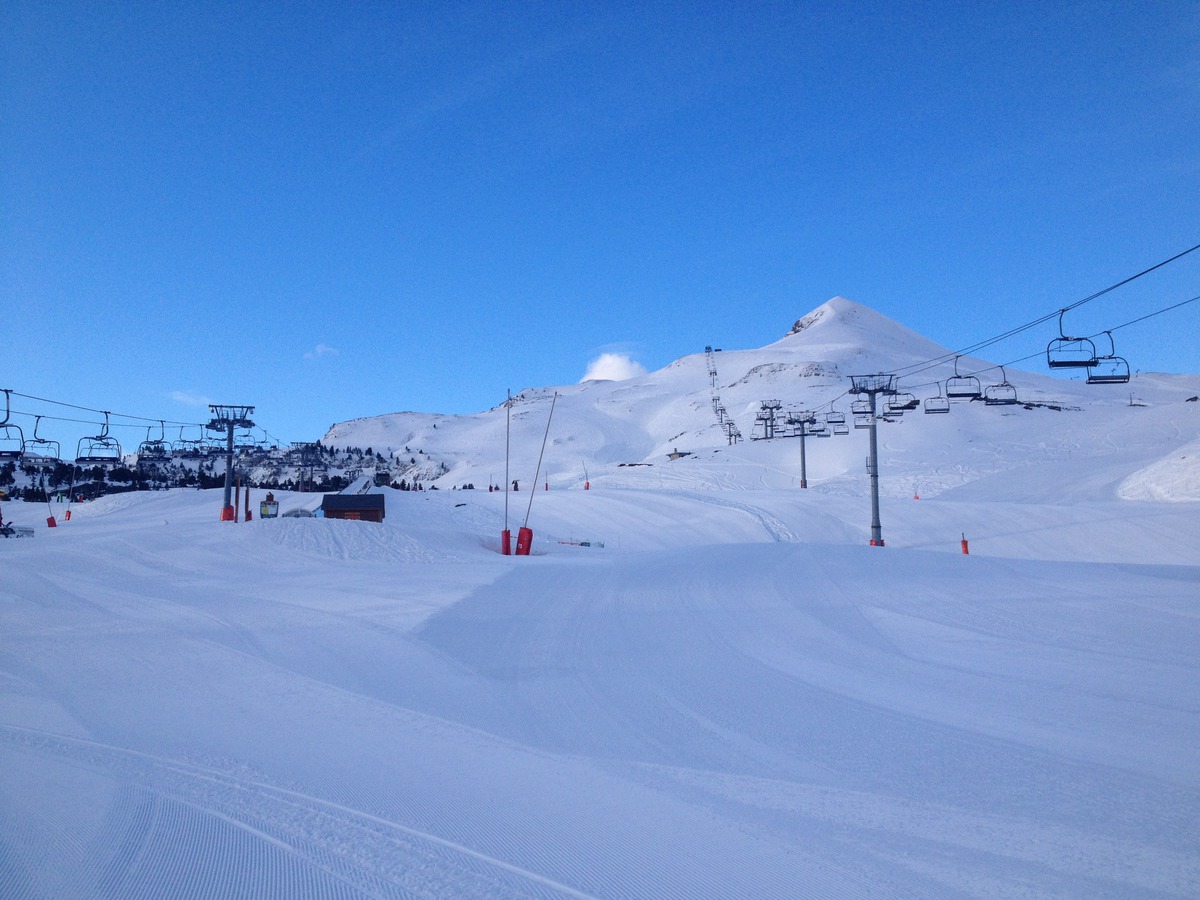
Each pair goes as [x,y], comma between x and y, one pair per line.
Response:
[360,507]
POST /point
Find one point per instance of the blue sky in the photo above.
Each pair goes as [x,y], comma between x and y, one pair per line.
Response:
[340,210]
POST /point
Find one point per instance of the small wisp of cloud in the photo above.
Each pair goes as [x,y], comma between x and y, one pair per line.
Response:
[613,367]
[321,351]
[189,398]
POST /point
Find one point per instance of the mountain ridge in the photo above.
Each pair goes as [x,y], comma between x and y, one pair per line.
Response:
[604,426]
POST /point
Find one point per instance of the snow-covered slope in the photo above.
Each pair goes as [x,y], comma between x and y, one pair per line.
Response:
[686,691]
[702,682]
[600,429]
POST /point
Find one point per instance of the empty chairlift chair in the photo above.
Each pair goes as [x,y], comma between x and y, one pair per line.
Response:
[12,438]
[1000,394]
[101,450]
[835,420]
[156,451]
[1066,352]
[40,451]
[189,448]
[12,441]
[963,387]
[900,403]
[861,410]
[938,404]
[1110,369]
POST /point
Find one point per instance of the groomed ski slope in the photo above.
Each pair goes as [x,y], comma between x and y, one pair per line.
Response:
[733,697]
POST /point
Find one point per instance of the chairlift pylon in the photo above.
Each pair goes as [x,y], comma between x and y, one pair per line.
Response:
[1000,394]
[1065,352]
[963,387]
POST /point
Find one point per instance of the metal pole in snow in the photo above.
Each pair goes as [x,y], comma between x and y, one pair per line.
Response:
[506,535]
[803,461]
[538,471]
[876,528]
[507,432]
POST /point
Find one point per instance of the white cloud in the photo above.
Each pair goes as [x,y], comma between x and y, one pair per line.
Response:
[189,398]
[321,350]
[613,367]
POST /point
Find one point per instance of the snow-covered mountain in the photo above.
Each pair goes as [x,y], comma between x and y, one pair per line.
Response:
[626,431]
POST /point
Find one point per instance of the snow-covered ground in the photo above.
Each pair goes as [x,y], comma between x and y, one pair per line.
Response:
[725,693]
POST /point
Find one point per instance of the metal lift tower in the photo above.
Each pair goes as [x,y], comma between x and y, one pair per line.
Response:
[306,453]
[870,385]
[226,418]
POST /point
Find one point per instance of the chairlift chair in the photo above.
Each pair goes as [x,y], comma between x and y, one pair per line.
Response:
[938,404]
[841,428]
[1000,394]
[100,450]
[188,447]
[41,451]
[1108,369]
[12,441]
[963,387]
[860,407]
[153,451]
[12,438]
[1066,352]
[898,404]
[862,420]
[835,417]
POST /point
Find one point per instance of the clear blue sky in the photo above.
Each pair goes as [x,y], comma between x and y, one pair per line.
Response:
[331,210]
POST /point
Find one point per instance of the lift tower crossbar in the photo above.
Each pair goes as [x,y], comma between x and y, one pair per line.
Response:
[225,418]
[872,385]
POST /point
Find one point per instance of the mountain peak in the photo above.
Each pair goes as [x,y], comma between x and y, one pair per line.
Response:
[836,308]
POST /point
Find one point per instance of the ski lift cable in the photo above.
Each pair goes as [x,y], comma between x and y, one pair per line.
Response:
[1157,312]
[101,411]
[49,418]
[1149,315]
[917,368]
[161,422]
[1040,353]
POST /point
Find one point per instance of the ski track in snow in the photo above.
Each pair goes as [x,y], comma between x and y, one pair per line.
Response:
[290,843]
